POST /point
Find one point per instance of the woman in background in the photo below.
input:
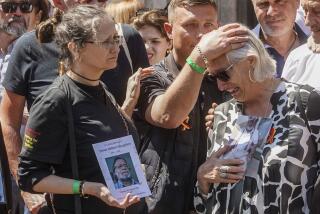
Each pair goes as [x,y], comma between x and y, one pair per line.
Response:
[39,13]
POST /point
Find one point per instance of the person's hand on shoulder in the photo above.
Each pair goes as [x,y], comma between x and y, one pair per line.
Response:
[133,89]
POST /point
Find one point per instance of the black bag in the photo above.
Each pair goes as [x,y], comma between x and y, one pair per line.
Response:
[157,147]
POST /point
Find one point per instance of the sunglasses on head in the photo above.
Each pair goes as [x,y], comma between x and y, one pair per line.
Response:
[11,7]
[89,1]
[222,74]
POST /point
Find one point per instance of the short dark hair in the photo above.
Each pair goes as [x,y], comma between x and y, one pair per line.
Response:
[152,18]
[182,3]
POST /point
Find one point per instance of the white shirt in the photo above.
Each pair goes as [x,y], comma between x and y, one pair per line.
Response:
[303,67]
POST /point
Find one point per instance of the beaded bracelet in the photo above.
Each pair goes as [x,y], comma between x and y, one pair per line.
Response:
[204,58]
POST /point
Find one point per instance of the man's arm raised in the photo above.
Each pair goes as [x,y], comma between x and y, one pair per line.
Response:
[170,109]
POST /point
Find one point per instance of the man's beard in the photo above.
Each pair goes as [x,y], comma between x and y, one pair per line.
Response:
[12,29]
[126,178]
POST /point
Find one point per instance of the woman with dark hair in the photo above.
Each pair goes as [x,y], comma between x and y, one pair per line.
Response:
[39,13]
[150,25]
[84,33]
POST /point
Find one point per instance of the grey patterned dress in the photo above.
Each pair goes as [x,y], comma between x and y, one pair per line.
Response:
[289,164]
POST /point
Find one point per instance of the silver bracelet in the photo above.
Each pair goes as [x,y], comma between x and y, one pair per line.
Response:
[204,58]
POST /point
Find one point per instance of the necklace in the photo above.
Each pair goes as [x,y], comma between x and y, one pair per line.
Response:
[292,45]
[83,77]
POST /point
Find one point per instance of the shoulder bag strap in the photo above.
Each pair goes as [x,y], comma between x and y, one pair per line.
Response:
[124,45]
[73,155]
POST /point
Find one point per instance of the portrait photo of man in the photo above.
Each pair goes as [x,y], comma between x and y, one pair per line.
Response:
[123,173]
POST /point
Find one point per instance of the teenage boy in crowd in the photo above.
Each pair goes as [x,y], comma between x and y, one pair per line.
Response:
[173,103]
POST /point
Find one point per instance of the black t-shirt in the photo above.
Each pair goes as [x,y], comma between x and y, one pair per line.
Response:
[32,67]
[188,149]
[116,79]
[46,139]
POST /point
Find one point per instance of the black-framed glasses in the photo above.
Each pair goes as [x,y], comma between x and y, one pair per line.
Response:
[11,7]
[222,74]
[116,40]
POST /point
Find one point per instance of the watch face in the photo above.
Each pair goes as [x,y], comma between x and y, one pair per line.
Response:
[2,192]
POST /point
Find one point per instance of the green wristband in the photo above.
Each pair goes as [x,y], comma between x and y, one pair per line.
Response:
[76,187]
[194,66]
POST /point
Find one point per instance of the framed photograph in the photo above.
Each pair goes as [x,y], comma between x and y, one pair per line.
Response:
[120,165]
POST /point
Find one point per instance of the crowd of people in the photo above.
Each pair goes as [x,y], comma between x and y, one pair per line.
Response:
[224,118]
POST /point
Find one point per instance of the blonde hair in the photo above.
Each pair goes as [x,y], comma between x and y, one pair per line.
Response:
[123,11]
[265,66]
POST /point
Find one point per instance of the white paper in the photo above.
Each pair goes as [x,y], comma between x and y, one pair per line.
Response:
[248,133]
[2,198]
[121,167]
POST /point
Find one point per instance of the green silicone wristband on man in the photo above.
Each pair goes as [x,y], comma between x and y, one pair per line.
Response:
[195,67]
[76,187]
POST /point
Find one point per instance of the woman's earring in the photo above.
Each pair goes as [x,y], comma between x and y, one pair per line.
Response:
[168,51]
[77,57]
[250,77]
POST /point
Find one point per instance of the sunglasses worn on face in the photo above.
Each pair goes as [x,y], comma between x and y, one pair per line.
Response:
[223,75]
[11,7]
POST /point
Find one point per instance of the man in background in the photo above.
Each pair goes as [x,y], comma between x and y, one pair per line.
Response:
[278,30]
